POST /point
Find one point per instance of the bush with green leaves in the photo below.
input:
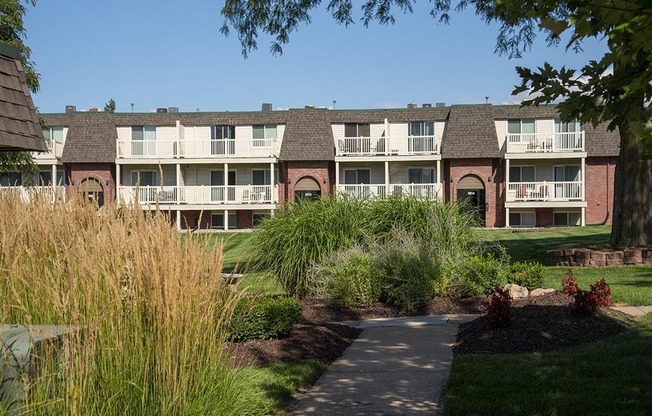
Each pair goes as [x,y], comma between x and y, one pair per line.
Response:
[292,241]
[264,318]
[409,271]
[527,273]
[347,278]
[481,275]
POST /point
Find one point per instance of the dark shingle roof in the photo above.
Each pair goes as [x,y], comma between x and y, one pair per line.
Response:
[91,138]
[19,126]
[394,115]
[201,119]
[470,133]
[600,141]
[308,136]
[503,112]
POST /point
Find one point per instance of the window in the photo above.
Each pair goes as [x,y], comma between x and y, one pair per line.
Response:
[222,140]
[568,126]
[217,220]
[54,134]
[525,128]
[11,179]
[522,174]
[143,141]
[357,130]
[218,190]
[144,178]
[263,135]
[421,128]
[421,137]
[421,175]
[522,219]
[44,178]
[568,218]
[357,176]
[570,173]
[258,217]
[260,177]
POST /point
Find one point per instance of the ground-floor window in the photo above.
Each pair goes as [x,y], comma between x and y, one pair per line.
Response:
[568,218]
[258,217]
[522,219]
[11,179]
[217,220]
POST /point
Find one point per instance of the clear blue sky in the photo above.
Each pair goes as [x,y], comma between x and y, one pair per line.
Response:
[169,53]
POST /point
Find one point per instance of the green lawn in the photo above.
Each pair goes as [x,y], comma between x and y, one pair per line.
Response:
[532,245]
[611,377]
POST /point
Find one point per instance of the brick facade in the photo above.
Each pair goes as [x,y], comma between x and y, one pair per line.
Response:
[599,189]
[323,172]
[490,173]
[103,173]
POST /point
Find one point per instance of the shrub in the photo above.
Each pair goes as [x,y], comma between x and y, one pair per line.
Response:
[348,278]
[264,318]
[528,274]
[409,271]
[499,312]
[481,274]
[586,302]
[297,237]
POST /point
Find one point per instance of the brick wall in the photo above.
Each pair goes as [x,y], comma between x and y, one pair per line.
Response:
[321,171]
[490,173]
[545,217]
[104,173]
[599,189]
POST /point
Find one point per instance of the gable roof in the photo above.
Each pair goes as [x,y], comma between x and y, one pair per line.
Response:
[470,133]
[19,125]
[308,136]
[91,138]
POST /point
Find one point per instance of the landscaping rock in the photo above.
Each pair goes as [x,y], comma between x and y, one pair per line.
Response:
[516,291]
[598,258]
[633,256]
[541,292]
[615,258]
[647,256]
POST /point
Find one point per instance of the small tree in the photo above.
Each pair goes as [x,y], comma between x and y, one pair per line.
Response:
[109,107]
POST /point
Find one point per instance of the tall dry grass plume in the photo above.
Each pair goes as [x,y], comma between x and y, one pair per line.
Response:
[145,305]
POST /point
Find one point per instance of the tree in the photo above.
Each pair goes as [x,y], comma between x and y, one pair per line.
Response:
[12,32]
[615,89]
[110,106]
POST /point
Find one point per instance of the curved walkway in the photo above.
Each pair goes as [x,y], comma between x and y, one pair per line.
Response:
[397,366]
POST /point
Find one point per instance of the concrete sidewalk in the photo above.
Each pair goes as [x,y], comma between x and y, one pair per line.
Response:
[397,366]
[635,311]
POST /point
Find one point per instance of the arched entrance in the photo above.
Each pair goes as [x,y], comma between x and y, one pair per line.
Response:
[92,190]
[471,189]
[307,188]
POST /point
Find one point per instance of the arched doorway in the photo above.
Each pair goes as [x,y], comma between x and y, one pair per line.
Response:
[306,188]
[92,190]
[471,189]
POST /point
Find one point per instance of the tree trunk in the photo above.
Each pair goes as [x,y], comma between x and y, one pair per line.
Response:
[632,211]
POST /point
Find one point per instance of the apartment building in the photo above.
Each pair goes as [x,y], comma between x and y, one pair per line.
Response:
[519,167]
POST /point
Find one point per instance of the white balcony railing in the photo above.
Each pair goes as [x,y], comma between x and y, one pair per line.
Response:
[204,195]
[361,146]
[550,142]
[160,149]
[422,145]
[421,190]
[545,191]
[54,151]
[29,192]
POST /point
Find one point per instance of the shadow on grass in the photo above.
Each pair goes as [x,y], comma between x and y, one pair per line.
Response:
[533,246]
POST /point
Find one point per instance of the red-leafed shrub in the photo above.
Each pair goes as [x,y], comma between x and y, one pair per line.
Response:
[499,312]
[586,302]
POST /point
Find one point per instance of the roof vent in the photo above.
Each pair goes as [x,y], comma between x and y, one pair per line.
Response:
[94,110]
[173,109]
[440,104]
[412,105]
[426,105]
[71,109]
[162,110]
[266,107]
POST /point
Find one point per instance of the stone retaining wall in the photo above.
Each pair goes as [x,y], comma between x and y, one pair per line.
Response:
[599,257]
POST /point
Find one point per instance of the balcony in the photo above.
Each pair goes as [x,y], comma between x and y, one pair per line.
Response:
[28,193]
[370,146]
[200,195]
[545,142]
[421,190]
[545,191]
[197,149]
[55,149]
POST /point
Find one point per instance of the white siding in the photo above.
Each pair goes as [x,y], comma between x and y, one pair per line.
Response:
[546,126]
[201,175]
[398,142]
[338,133]
[124,133]
[377,130]
[376,171]
[169,174]
[501,132]
[398,172]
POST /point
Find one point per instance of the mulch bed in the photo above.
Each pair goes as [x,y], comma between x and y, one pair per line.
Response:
[539,324]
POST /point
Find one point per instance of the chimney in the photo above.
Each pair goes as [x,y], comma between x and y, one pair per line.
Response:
[266,107]
[309,106]
[426,105]
[412,105]
[173,109]
[94,110]
[71,109]
[161,110]
[440,104]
